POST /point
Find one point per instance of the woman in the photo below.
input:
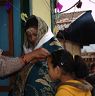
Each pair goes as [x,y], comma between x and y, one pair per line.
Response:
[71,72]
[34,80]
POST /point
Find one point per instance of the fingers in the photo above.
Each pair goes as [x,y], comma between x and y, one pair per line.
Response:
[42,53]
[45,51]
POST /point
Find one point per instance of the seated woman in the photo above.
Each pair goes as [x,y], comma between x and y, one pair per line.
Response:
[71,72]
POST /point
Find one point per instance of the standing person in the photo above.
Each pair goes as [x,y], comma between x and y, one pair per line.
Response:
[10,65]
[71,72]
[34,80]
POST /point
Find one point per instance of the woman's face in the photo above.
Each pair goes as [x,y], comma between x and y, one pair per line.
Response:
[53,71]
[32,35]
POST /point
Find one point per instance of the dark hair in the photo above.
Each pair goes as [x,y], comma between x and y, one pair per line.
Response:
[81,68]
[31,22]
[65,61]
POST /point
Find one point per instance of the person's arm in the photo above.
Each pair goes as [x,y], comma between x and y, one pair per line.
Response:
[9,65]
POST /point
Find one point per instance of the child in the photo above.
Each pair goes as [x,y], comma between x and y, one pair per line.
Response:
[71,72]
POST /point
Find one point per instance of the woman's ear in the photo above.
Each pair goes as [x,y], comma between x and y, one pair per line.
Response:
[58,71]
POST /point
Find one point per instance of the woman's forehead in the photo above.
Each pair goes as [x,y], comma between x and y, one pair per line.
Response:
[31,29]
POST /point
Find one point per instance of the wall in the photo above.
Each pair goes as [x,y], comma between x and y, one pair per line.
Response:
[89,57]
[41,8]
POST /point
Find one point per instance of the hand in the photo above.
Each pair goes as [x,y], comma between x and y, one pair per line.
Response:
[40,53]
[35,55]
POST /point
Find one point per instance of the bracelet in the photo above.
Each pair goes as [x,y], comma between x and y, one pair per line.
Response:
[24,59]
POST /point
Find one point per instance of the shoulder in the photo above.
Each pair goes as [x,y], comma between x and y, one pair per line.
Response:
[63,91]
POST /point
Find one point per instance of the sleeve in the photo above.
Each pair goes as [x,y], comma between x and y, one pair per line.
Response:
[9,65]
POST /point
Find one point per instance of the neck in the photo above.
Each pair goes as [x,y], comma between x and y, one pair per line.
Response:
[66,78]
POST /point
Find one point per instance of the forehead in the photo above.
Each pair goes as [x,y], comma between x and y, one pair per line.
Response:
[31,30]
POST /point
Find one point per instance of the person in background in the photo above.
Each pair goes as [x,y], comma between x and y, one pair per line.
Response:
[34,80]
[92,68]
[10,65]
[91,78]
[71,72]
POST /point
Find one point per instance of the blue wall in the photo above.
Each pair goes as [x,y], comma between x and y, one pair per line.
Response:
[3,29]
[3,94]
